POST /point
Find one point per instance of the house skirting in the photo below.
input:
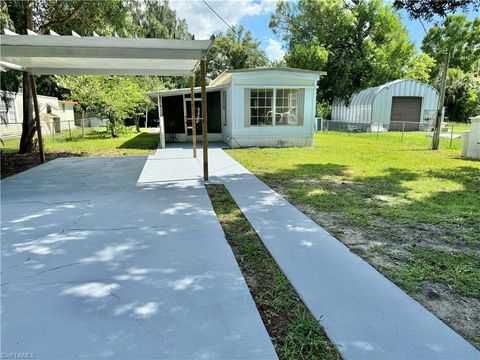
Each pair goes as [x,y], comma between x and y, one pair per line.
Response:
[269,141]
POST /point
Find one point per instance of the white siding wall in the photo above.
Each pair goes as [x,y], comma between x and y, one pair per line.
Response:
[15,130]
[280,135]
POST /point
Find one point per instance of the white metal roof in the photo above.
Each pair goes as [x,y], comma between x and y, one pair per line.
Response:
[366,96]
[49,54]
[174,92]
[225,77]
[374,104]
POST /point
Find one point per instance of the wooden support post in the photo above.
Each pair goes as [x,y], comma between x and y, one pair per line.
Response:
[37,118]
[69,129]
[146,117]
[161,122]
[203,75]
[194,117]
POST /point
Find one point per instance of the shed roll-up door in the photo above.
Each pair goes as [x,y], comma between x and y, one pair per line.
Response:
[405,109]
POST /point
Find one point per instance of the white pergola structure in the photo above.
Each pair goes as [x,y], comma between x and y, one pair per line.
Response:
[75,55]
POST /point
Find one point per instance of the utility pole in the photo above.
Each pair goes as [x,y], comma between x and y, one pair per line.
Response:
[438,120]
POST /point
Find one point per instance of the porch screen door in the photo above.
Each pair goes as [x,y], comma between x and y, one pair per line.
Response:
[188,116]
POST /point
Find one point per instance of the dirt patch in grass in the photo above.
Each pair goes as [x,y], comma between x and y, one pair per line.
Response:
[295,333]
[13,163]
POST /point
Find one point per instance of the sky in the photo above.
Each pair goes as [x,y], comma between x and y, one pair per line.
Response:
[255,16]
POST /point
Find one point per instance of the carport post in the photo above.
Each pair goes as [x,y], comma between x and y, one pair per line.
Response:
[161,123]
[146,117]
[203,74]
[37,118]
[194,122]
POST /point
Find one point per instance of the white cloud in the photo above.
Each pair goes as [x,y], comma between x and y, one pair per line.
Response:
[202,22]
[274,50]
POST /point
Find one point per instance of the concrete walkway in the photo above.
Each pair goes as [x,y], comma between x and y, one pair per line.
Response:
[94,266]
[363,313]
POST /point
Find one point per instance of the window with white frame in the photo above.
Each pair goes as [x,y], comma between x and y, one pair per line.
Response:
[274,107]
[7,111]
[261,107]
[286,107]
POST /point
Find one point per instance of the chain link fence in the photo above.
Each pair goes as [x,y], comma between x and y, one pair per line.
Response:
[393,129]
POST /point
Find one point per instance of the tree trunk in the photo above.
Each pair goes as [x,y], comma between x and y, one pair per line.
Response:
[28,125]
[137,124]
[113,128]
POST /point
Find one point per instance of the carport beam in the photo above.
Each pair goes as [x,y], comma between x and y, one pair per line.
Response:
[203,73]
[194,118]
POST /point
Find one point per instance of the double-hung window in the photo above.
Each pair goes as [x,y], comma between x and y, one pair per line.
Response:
[7,110]
[286,107]
[261,107]
[273,107]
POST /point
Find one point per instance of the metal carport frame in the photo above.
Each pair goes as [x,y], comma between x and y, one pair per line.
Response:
[73,55]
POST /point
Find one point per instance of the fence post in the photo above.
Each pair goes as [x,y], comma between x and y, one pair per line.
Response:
[378,130]
[83,124]
[53,133]
[403,129]
[69,130]
[451,136]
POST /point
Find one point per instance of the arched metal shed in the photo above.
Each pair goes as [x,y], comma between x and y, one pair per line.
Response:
[400,104]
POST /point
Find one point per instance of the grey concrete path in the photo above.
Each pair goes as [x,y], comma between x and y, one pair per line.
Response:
[94,266]
[363,313]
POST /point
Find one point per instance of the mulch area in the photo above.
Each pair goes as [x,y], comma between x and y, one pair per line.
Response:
[12,163]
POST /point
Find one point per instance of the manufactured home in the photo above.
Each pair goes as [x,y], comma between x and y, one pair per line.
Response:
[55,115]
[264,107]
[398,105]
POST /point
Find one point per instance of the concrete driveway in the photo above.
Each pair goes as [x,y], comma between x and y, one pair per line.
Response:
[363,313]
[94,266]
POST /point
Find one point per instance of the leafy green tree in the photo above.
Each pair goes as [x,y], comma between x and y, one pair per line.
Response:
[114,97]
[277,63]
[313,57]
[155,19]
[427,9]
[420,67]
[459,36]
[358,43]
[235,50]
[462,96]
[84,16]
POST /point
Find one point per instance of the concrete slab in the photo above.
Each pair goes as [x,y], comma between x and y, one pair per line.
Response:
[365,314]
[94,266]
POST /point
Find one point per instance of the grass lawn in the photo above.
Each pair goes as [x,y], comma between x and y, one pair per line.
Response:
[295,333]
[96,143]
[411,212]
